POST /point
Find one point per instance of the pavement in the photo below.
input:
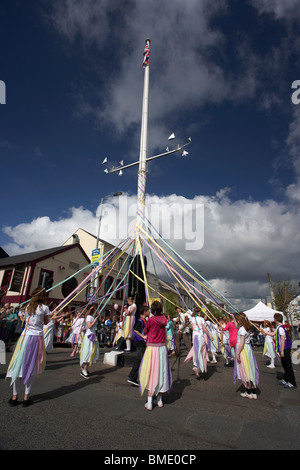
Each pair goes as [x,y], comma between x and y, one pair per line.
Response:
[107,413]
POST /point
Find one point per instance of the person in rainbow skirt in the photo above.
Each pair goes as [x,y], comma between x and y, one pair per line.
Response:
[198,351]
[245,366]
[89,353]
[48,330]
[29,357]
[225,342]
[212,339]
[129,322]
[269,346]
[170,332]
[155,372]
[74,337]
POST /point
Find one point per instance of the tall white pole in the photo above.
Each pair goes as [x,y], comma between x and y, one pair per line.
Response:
[142,174]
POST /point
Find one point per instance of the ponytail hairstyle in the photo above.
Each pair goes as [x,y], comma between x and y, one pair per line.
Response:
[242,320]
[156,308]
[38,297]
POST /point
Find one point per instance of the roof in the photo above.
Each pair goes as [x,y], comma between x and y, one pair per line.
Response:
[37,255]
[3,253]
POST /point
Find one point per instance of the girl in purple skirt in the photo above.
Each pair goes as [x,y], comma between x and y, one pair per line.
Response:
[29,357]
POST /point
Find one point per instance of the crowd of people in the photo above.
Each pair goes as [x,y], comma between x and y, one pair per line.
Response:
[154,337]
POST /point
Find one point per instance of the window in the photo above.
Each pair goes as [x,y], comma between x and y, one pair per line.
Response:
[108,284]
[119,293]
[17,279]
[69,286]
[6,278]
[46,279]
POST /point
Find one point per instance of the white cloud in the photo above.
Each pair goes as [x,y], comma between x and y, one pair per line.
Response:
[287,9]
[183,69]
[243,240]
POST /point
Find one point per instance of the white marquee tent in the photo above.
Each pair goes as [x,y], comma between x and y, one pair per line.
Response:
[261,312]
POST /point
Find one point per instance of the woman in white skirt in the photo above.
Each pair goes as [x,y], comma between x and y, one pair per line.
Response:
[29,357]
[269,346]
[198,351]
[89,353]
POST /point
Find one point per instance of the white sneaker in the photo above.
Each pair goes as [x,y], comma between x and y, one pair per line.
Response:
[159,403]
[148,406]
[289,385]
[254,396]
[271,367]
[247,395]
[84,374]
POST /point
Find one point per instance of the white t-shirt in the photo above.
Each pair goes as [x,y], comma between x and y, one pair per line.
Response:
[210,326]
[268,339]
[243,332]
[35,321]
[184,326]
[131,309]
[77,324]
[90,319]
[197,325]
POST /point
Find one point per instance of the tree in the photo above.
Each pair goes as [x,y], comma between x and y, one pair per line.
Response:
[169,306]
[216,311]
[283,293]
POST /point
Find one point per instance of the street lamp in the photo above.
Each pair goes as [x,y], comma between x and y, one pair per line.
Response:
[119,193]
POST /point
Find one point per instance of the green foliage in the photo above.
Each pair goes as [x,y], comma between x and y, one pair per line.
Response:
[283,293]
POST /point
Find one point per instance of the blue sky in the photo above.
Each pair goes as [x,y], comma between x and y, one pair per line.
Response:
[220,72]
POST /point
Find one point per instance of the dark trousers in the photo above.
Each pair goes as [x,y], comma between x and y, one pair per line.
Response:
[186,340]
[140,349]
[286,363]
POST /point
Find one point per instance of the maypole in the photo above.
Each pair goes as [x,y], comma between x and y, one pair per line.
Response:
[142,173]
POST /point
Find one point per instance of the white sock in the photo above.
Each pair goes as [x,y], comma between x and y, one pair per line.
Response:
[128,344]
[272,361]
[149,400]
[29,385]
[159,398]
[16,386]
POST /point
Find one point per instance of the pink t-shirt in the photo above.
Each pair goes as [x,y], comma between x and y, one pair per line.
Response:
[155,329]
[233,332]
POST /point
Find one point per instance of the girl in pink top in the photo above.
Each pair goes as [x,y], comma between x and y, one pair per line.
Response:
[233,333]
[155,372]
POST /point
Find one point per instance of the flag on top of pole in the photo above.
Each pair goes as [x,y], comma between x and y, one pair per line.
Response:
[146,55]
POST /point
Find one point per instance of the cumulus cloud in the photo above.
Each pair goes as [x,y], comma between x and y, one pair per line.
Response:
[233,243]
[288,9]
[242,240]
[183,66]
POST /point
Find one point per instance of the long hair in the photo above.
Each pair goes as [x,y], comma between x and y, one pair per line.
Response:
[38,297]
[268,324]
[197,311]
[242,320]
[156,308]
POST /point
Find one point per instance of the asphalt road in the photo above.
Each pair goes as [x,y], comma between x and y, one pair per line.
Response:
[106,413]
